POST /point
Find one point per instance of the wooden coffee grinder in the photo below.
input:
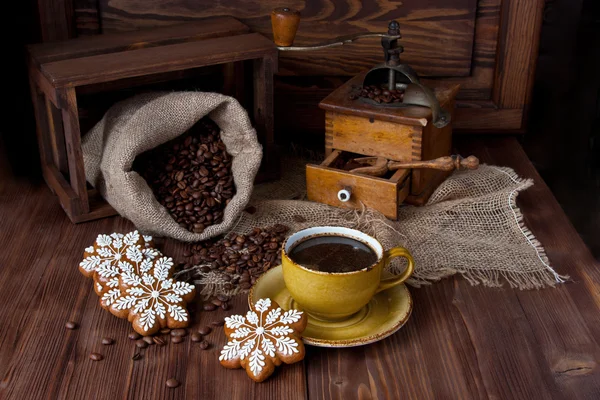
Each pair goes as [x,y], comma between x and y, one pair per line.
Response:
[388,138]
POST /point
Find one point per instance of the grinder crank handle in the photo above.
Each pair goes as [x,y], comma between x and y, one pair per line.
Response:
[378,166]
[447,163]
[285,21]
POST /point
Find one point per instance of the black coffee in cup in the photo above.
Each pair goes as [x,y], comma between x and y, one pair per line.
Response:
[333,253]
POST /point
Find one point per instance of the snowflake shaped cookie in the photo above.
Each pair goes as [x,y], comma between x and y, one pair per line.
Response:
[134,281]
[151,299]
[263,339]
[103,259]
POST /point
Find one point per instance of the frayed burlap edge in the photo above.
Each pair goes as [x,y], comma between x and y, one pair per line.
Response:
[516,280]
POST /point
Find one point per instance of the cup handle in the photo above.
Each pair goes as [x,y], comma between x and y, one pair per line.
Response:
[396,280]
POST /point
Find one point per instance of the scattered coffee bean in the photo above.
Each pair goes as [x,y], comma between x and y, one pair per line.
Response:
[209,307]
[222,297]
[96,357]
[165,331]
[218,323]
[107,341]
[159,340]
[205,330]
[136,356]
[141,344]
[179,332]
[176,339]
[149,340]
[196,337]
[191,176]
[240,259]
[225,306]
[204,345]
[134,336]
[172,383]
[71,325]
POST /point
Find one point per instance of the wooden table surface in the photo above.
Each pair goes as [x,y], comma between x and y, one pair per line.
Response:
[461,342]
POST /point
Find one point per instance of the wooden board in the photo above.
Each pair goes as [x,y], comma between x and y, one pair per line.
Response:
[111,43]
[174,57]
[462,341]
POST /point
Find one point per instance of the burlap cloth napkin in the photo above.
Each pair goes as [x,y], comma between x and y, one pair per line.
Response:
[471,226]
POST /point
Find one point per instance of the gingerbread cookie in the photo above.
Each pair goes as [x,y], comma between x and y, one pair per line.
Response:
[134,282]
[263,339]
[151,298]
[102,261]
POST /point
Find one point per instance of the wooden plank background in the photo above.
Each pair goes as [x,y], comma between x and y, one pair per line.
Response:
[489,47]
[422,24]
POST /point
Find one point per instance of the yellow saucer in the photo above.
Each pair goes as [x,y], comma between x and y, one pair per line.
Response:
[385,314]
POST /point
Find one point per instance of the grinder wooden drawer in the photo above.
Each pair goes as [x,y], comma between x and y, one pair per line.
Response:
[325,181]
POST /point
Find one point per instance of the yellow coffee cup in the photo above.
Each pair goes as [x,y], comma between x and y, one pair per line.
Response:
[338,295]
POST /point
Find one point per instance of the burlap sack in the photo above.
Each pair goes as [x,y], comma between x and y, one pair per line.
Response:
[144,122]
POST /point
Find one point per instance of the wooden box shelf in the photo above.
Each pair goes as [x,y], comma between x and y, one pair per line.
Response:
[61,72]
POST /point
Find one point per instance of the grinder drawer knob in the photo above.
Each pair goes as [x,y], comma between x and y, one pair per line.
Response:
[344,195]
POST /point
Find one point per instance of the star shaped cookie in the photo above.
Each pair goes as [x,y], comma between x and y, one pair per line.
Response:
[263,339]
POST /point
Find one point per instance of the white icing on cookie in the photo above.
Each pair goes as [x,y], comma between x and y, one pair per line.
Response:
[260,334]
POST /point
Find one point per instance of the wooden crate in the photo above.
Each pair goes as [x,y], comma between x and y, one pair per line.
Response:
[61,73]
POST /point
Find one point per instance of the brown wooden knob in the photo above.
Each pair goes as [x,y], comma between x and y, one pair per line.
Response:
[470,162]
[284,22]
